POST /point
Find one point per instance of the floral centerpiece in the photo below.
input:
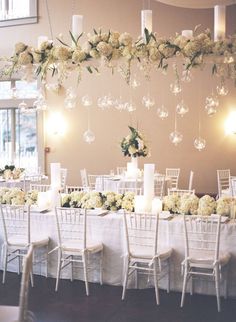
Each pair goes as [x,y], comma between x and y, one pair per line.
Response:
[134,145]
[223,205]
[207,206]
[16,196]
[107,200]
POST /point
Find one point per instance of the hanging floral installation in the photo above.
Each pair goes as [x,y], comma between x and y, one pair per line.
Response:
[118,52]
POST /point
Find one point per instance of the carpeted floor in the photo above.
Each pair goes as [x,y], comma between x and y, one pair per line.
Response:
[70,304]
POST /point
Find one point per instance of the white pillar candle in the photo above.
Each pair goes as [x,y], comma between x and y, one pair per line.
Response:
[187,33]
[219,22]
[41,39]
[148,185]
[77,25]
[55,199]
[43,200]
[156,206]
[139,204]
[146,21]
[56,176]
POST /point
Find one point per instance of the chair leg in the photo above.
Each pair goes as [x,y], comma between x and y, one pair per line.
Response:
[31,273]
[19,262]
[84,257]
[4,249]
[136,276]
[126,272]
[101,267]
[191,285]
[217,281]
[47,261]
[184,286]
[58,269]
[156,282]
[71,277]
[168,275]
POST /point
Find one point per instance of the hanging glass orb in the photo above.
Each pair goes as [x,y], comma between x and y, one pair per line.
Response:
[162,112]
[89,136]
[186,76]
[199,143]
[182,108]
[176,137]
[70,93]
[211,110]
[135,82]
[69,103]
[23,106]
[102,102]
[119,104]
[222,90]
[86,100]
[212,100]
[148,101]
[175,87]
[109,100]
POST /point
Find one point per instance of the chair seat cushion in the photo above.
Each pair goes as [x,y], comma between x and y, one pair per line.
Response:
[207,258]
[21,241]
[77,247]
[146,253]
[9,313]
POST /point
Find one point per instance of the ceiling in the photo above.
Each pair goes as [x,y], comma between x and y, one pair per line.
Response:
[197,3]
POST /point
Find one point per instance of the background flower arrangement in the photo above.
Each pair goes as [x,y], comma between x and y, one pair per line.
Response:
[11,172]
[134,145]
[120,50]
[16,196]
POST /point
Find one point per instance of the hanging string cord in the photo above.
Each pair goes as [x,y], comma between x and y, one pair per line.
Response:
[49,19]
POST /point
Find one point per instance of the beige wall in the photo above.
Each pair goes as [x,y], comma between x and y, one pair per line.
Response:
[110,126]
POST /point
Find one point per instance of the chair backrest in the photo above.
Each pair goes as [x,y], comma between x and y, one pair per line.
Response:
[202,233]
[141,232]
[190,184]
[71,226]
[84,178]
[233,187]
[159,182]
[96,181]
[223,180]
[63,178]
[134,186]
[16,222]
[24,290]
[173,174]
[120,171]
[70,189]
[40,187]
[180,192]
[28,179]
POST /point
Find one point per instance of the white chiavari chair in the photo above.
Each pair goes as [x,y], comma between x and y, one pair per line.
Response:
[144,254]
[84,178]
[120,171]
[134,186]
[173,174]
[203,256]
[73,244]
[180,192]
[63,179]
[40,187]
[32,179]
[18,237]
[223,182]
[190,184]
[159,182]
[70,189]
[20,313]
[233,187]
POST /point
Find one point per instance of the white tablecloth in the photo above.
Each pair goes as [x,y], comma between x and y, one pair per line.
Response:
[109,230]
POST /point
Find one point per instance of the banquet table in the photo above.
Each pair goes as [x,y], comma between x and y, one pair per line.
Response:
[113,183]
[109,230]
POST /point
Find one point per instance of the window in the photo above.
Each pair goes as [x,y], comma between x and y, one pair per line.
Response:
[20,133]
[17,12]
